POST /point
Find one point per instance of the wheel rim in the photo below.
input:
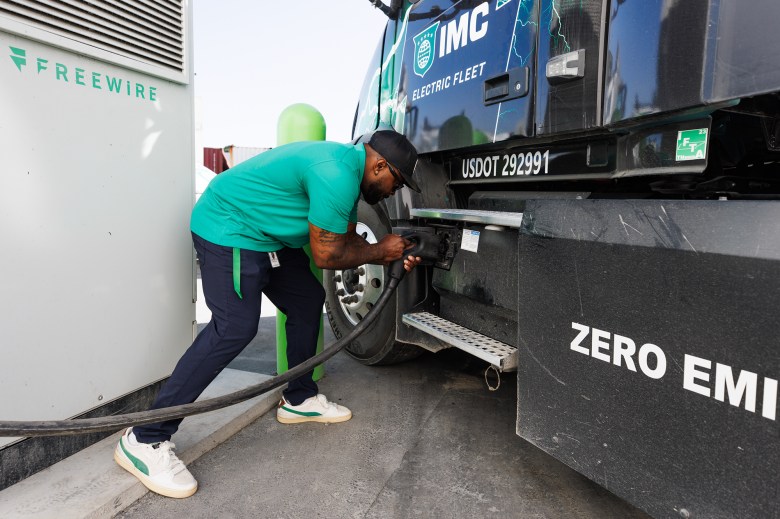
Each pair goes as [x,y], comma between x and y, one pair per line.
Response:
[358,289]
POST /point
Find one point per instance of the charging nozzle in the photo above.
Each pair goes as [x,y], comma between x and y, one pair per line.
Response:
[426,245]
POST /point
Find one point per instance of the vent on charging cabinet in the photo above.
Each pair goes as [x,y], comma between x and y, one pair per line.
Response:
[148,31]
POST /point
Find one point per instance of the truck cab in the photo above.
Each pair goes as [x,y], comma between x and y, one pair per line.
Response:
[603,178]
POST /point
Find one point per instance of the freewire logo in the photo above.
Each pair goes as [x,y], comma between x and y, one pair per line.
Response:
[79,76]
[19,57]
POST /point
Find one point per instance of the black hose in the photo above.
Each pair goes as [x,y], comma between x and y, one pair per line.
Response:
[112,423]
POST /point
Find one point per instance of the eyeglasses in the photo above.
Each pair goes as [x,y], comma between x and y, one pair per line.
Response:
[399,181]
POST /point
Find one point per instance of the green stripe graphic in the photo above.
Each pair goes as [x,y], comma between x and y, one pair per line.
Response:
[300,412]
[140,465]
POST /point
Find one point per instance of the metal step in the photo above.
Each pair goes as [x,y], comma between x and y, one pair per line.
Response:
[503,218]
[499,354]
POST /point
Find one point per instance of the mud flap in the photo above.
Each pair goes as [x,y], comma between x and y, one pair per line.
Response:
[648,350]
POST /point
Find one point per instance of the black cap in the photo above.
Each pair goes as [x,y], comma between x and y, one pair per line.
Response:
[398,151]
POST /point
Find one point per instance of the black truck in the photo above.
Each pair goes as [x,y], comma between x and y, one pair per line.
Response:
[601,178]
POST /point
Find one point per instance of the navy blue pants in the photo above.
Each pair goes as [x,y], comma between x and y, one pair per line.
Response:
[291,287]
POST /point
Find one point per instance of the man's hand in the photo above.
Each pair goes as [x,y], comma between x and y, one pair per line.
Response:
[410,262]
[394,246]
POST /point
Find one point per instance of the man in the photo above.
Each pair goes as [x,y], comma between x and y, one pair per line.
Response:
[248,229]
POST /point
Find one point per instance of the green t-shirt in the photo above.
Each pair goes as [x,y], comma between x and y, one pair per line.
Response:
[267,202]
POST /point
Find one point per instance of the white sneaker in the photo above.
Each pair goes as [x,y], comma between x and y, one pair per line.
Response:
[313,409]
[155,465]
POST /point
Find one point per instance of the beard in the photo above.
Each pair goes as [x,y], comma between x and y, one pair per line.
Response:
[373,194]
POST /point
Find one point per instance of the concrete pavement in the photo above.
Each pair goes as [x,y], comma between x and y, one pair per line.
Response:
[427,440]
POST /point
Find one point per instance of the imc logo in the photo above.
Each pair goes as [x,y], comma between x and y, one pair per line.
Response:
[19,57]
[425,49]
[83,77]
[468,27]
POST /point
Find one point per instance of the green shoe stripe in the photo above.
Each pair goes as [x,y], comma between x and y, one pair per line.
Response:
[300,412]
[140,465]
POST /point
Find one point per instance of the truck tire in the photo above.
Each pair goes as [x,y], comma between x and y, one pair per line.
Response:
[350,294]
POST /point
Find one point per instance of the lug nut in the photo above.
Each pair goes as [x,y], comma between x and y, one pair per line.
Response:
[340,292]
[359,287]
[337,278]
[361,271]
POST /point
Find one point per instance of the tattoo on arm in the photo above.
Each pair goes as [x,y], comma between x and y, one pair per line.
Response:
[334,251]
[326,237]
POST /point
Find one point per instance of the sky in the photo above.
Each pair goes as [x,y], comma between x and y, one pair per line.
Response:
[254,58]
